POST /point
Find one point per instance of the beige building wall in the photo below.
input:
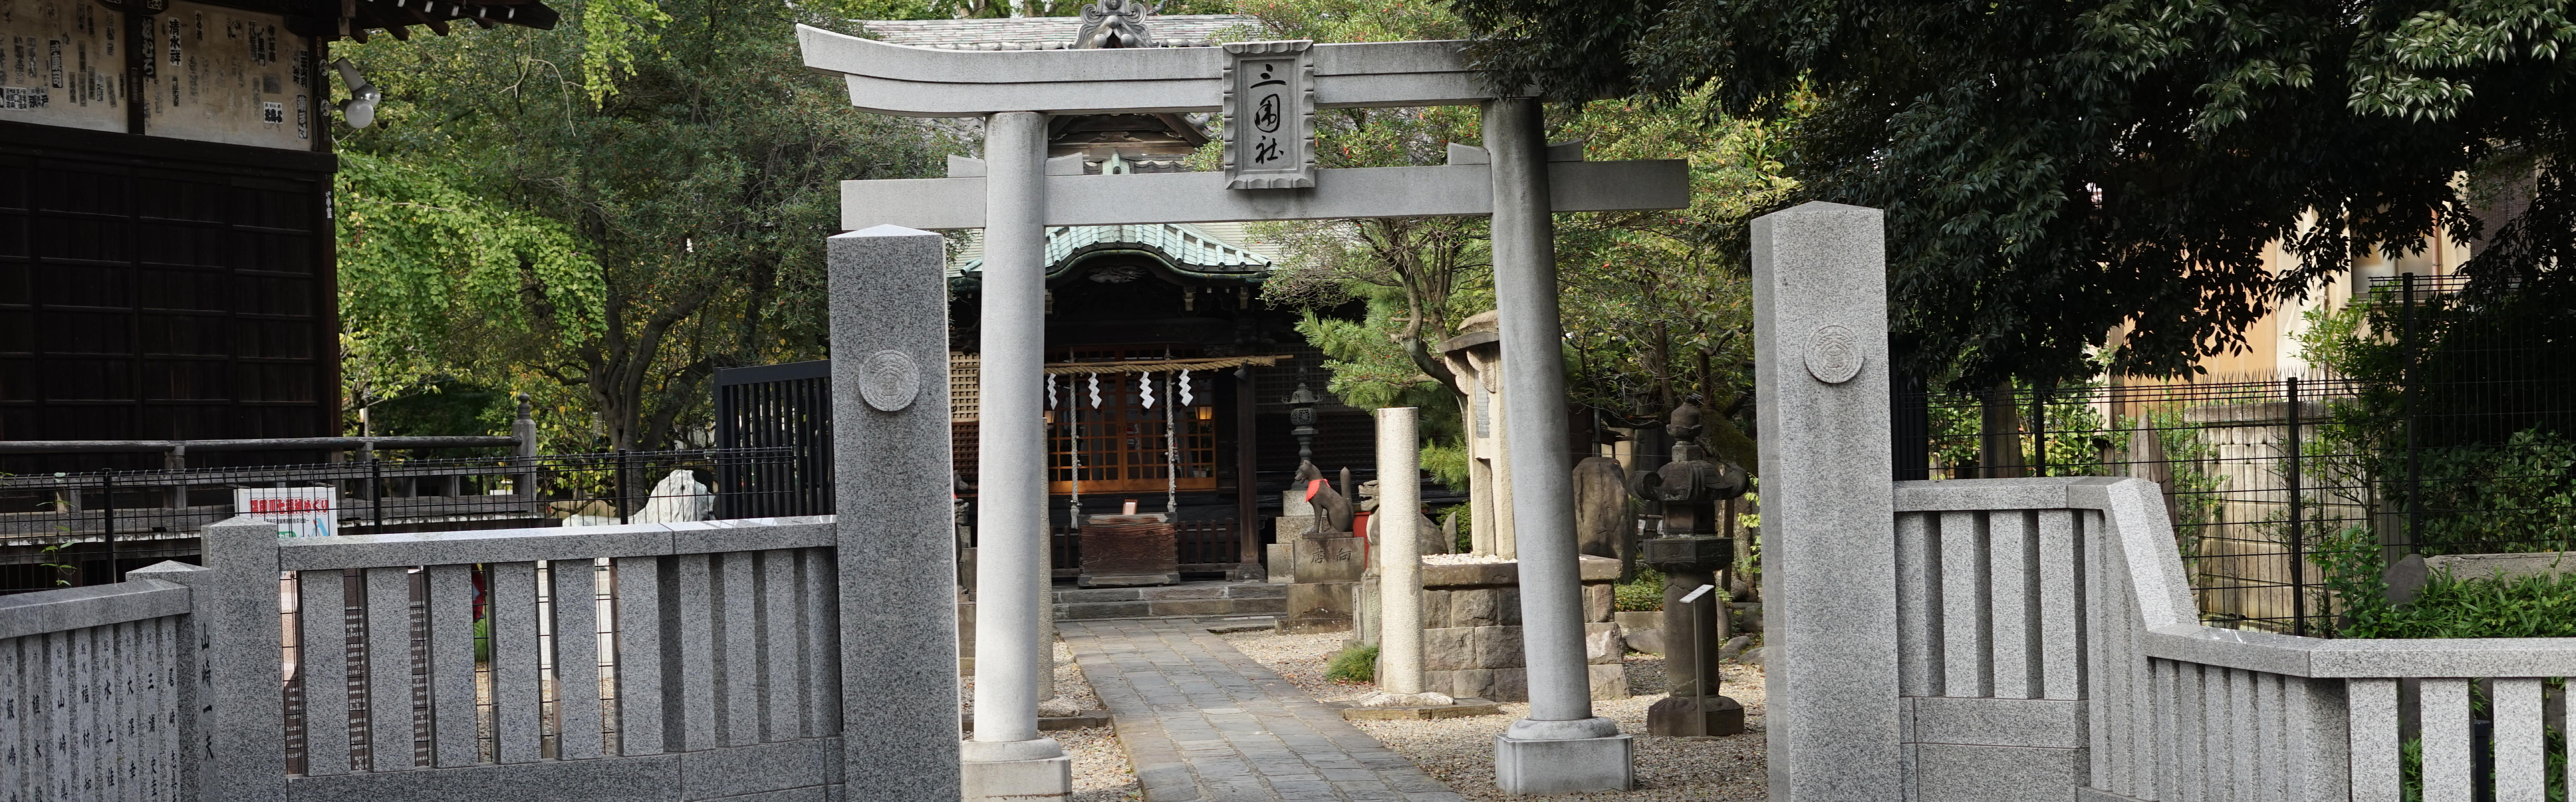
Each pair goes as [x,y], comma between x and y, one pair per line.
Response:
[2272,346]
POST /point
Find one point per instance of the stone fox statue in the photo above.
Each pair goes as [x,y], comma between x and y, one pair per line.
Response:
[1328,502]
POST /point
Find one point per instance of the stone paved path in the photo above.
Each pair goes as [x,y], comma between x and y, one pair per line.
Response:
[1203,723]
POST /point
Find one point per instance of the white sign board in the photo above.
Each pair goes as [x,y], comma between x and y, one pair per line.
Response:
[303,511]
[1270,115]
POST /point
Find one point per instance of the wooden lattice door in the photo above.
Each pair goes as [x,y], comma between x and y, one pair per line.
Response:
[1122,446]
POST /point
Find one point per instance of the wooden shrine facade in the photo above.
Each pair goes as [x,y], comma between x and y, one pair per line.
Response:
[167,269]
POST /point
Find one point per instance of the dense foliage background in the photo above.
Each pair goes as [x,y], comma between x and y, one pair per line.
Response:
[599,216]
[2062,177]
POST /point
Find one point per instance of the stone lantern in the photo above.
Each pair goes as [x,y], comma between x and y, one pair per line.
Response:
[1301,413]
[1690,550]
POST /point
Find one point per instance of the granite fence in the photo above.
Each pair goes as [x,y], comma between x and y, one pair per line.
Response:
[2048,644]
[645,661]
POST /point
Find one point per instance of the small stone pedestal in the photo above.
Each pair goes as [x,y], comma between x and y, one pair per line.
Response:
[1014,771]
[1695,715]
[1327,571]
[1568,766]
[1018,780]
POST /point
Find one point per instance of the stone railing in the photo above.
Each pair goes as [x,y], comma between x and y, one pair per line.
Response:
[701,660]
[91,692]
[2048,643]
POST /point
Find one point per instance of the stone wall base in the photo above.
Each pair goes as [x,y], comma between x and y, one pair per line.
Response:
[1608,681]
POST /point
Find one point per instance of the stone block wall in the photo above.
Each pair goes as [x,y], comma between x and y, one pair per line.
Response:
[1471,639]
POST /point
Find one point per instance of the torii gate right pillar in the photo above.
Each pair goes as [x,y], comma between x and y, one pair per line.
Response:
[1561,747]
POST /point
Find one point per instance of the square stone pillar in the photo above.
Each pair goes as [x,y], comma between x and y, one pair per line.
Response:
[1828,506]
[897,549]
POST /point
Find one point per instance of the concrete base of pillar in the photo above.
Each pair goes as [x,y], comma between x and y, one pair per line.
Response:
[1564,767]
[1018,780]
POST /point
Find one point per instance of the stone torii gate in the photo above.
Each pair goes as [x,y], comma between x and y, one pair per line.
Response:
[1269,92]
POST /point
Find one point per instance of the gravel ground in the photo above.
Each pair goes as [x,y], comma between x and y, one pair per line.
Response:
[1100,769]
[1460,751]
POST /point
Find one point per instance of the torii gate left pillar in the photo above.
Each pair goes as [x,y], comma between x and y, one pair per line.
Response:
[1269,91]
[1006,759]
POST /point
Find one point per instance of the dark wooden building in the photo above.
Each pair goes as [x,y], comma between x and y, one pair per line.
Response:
[166,266]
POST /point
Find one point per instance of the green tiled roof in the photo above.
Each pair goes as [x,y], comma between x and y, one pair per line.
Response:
[1187,247]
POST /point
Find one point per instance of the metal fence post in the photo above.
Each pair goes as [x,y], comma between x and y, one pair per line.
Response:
[376,488]
[2414,468]
[525,429]
[2038,430]
[620,480]
[107,523]
[2298,541]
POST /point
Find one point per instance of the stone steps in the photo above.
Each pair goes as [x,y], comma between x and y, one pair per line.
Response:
[1191,599]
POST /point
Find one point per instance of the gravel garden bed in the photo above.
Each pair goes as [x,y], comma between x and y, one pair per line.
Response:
[1460,751]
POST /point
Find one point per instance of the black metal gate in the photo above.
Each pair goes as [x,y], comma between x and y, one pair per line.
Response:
[770,406]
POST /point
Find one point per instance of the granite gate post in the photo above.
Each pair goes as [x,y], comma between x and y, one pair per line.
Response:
[237,624]
[1828,505]
[1561,747]
[891,459]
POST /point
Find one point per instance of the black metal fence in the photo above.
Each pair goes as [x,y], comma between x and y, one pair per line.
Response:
[2289,494]
[90,528]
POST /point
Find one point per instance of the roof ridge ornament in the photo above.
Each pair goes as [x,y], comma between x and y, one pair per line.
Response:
[1114,24]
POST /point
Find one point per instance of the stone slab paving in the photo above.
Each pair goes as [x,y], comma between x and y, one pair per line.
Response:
[1203,723]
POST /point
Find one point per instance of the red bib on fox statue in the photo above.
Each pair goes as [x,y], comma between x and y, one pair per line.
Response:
[1328,502]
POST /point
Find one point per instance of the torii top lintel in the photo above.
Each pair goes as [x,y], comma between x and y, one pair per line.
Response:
[921,82]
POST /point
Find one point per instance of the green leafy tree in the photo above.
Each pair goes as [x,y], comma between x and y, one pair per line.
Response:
[1658,304]
[604,214]
[2053,172]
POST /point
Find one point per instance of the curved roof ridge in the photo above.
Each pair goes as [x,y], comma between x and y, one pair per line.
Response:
[1044,33]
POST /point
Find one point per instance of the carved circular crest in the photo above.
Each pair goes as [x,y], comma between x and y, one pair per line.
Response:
[1833,355]
[889,381]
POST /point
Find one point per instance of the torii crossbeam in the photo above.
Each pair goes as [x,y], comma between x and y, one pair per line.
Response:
[1269,92]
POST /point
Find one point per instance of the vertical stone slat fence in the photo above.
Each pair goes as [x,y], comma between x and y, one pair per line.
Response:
[2048,642]
[668,662]
[91,692]
[2043,643]
[650,661]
